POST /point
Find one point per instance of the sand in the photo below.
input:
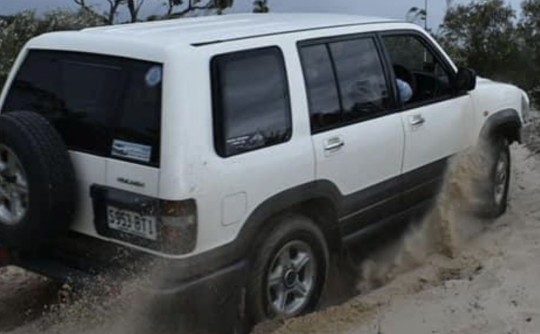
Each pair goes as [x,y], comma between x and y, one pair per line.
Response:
[487,283]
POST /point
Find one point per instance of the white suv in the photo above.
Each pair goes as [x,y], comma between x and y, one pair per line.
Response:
[241,150]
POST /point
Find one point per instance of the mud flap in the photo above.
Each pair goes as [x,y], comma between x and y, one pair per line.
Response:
[212,304]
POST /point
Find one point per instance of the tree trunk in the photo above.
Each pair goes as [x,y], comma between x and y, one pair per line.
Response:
[113,9]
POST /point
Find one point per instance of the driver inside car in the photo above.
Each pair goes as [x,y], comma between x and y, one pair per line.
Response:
[404,91]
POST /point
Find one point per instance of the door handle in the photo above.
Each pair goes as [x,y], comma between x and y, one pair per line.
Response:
[334,144]
[417,120]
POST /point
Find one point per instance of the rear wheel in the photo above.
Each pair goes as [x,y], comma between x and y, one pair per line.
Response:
[289,271]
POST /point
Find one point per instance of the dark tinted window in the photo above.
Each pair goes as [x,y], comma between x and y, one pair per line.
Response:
[103,105]
[345,82]
[417,65]
[361,78]
[323,97]
[251,106]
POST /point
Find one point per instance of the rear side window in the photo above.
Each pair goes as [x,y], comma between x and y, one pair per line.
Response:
[251,101]
[102,105]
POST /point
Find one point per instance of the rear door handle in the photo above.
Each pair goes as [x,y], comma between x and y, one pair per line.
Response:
[417,120]
[333,144]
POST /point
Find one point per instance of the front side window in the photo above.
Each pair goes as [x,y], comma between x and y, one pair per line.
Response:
[322,91]
[345,82]
[361,79]
[417,66]
[108,106]
[251,101]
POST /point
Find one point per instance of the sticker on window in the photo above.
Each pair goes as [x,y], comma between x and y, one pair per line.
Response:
[153,76]
[127,150]
[237,143]
[243,143]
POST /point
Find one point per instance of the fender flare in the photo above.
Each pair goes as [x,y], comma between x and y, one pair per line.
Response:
[323,190]
[500,118]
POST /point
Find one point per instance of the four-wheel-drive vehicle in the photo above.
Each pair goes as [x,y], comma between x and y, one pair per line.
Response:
[241,150]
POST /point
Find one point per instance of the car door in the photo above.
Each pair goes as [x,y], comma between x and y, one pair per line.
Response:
[358,140]
[436,119]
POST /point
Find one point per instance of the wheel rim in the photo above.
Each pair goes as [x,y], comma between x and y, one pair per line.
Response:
[13,188]
[501,178]
[291,279]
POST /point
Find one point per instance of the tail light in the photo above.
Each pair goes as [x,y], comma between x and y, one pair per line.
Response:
[178,226]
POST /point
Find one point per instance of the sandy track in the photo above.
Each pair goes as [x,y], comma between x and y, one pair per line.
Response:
[489,285]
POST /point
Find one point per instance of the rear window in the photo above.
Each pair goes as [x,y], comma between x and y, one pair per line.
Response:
[108,106]
[251,101]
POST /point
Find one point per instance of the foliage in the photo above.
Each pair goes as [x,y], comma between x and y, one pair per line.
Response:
[260,6]
[529,31]
[482,35]
[173,8]
[488,37]
[16,30]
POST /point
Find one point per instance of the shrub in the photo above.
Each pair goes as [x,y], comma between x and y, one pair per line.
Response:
[16,30]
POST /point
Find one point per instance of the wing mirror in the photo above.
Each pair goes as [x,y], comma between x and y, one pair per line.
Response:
[465,80]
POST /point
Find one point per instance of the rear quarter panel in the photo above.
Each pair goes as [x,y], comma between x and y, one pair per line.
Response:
[227,190]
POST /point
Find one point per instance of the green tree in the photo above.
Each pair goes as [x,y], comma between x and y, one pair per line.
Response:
[16,30]
[483,35]
[529,30]
[173,8]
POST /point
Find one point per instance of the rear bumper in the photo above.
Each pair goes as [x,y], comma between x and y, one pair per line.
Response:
[200,294]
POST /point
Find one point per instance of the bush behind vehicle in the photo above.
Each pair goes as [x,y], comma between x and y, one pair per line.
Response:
[16,30]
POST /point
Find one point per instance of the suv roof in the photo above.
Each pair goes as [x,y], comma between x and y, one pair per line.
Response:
[214,29]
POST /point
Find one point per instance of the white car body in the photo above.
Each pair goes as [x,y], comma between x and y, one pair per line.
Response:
[229,190]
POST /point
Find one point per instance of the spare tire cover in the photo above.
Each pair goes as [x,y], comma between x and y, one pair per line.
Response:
[37,181]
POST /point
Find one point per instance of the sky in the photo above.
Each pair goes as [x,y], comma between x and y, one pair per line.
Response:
[382,8]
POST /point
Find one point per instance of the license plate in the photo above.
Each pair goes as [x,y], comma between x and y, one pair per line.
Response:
[132,223]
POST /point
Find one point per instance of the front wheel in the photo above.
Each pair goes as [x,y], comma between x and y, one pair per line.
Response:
[289,270]
[498,184]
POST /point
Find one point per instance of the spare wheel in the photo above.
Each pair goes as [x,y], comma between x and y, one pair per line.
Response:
[37,181]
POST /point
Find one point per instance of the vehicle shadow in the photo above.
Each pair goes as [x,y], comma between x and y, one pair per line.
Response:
[23,297]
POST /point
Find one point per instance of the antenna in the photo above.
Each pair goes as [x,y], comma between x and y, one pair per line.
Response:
[426,14]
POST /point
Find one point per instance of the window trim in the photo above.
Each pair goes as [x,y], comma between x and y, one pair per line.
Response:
[436,53]
[326,41]
[217,112]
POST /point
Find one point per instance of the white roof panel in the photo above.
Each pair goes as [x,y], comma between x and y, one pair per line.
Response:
[211,29]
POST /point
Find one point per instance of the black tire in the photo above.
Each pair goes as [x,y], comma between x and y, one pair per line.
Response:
[50,179]
[498,179]
[287,230]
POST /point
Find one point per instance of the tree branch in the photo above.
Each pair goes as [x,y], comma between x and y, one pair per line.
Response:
[191,7]
[88,9]
[113,9]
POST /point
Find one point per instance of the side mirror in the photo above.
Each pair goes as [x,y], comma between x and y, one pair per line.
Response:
[465,80]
